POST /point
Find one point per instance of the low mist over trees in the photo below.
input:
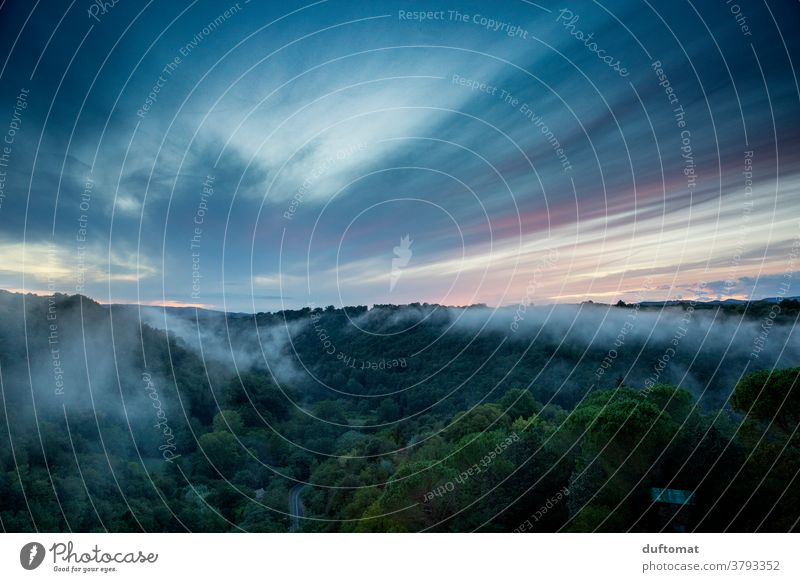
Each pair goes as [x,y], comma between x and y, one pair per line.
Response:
[397,418]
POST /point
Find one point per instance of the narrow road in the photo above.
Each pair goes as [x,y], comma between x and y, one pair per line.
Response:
[295,507]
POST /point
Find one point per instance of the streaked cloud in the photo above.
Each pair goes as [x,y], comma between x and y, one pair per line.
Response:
[336,131]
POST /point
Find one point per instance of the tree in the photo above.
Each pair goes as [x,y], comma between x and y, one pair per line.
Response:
[228,420]
[221,449]
[771,397]
[388,411]
[519,403]
[260,391]
[478,419]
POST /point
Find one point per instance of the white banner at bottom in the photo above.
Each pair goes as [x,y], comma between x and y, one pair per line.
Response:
[390,557]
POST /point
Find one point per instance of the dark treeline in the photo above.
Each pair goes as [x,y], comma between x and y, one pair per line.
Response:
[399,418]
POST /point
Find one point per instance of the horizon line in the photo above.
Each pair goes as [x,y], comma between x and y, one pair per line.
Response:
[178,304]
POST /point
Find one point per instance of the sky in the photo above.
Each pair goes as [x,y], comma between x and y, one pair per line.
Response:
[258,156]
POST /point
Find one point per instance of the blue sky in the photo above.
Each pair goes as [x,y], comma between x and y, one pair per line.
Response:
[260,155]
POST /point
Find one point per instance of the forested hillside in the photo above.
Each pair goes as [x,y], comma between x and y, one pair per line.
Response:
[398,418]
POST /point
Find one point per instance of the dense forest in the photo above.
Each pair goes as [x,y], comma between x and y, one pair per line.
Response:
[590,417]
